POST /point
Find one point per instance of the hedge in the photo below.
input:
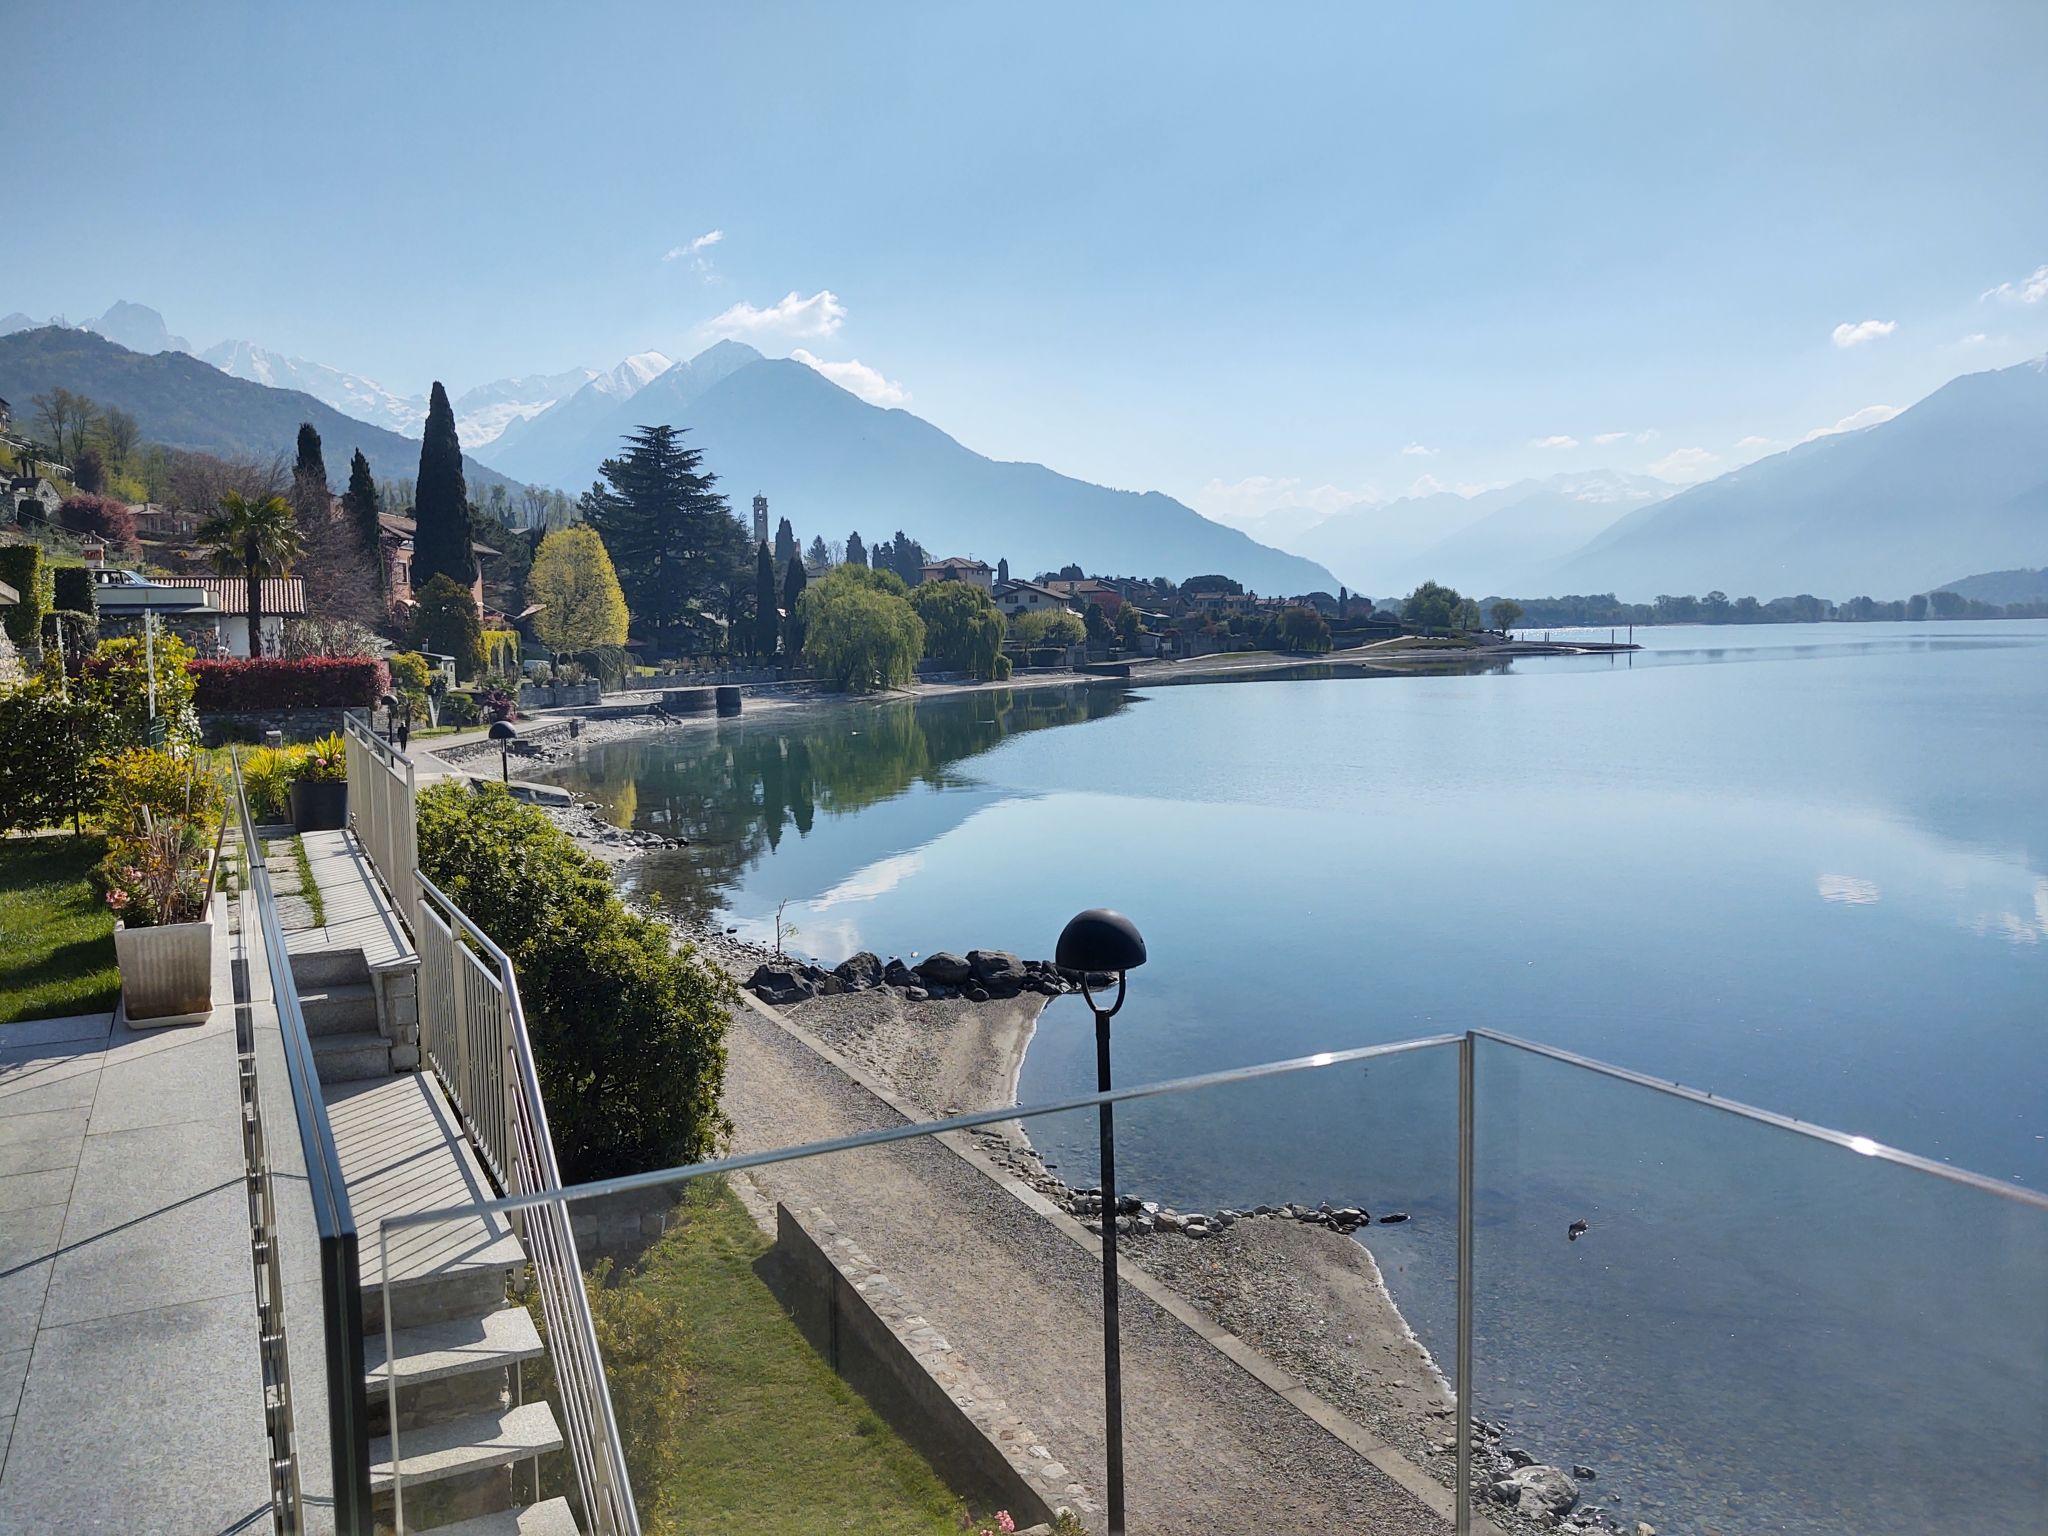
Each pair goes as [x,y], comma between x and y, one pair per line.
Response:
[21,567]
[314,682]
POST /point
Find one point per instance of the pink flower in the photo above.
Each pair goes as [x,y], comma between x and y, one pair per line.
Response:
[1004,1522]
[117,898]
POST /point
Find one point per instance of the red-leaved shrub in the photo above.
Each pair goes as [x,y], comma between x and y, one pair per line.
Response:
[315,682]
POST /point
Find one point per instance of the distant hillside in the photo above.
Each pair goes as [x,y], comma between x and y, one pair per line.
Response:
[182,402]
[834,464]
[1960,480]
[2002,587]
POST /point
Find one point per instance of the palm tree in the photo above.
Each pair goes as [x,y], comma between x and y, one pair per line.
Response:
[255,539]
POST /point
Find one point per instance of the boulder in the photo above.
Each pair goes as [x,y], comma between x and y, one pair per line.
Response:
[781,982]
[1543,1492]
[997,969]
[976,994]
[1393,1217]
[916,995]
[1583,1473]
[897,974]
[944,967]
[860,971]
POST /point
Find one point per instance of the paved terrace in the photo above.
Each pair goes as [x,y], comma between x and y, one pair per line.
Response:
[131,1395]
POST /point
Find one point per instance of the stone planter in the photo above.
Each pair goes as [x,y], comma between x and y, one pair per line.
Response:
[167,971]
[319,805]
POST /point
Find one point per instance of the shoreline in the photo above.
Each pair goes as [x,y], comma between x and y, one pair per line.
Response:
[1296,1286]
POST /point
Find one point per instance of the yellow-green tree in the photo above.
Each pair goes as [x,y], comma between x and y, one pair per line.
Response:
[577,591]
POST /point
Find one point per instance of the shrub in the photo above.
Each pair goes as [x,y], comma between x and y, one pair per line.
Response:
[324,761]
[631,1082]
[268,773]
[22,568]
[160,875]
[100,517]
[446,621]
[47,741]
[498,703]
[312,682]
[1048,627]
[116,681]
[460,709]
[143,783]
[74,591]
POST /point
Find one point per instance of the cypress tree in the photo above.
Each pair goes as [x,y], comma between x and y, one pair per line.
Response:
[767,622]
[1002,570]
[359,502]
[856,552]
[785,542]
[793,583]
[441,545]
[311,469]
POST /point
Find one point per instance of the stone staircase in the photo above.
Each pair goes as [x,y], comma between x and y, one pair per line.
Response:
[470,1436]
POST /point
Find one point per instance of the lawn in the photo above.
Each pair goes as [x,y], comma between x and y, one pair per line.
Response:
[732,1424]
[56,934]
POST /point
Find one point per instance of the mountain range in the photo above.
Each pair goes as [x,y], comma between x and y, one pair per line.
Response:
[180,401]
[834,464]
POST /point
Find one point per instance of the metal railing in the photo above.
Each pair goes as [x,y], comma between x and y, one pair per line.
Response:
[296,1190]
[473,1034]
[381,800]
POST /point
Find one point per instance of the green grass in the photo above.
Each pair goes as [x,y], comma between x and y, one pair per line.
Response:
[732,1424]
[309,889]
[56,933]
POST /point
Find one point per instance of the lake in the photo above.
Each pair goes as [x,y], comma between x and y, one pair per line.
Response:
[1805,867]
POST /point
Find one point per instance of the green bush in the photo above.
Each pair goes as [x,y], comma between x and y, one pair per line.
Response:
[460,709]
[1048,627]
[628,1035]
[140,779]
[446,621]
[48,739]
[963,629]
[22,568]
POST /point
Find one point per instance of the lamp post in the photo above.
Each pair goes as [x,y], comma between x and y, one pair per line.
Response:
[1102,942]
[390,702]
[504,733]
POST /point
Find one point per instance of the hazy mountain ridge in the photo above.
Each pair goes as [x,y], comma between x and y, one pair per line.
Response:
[2001,587]
[178,400]
[832,463]
[1960,479]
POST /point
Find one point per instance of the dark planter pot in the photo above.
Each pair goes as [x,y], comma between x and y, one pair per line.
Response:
[319,805]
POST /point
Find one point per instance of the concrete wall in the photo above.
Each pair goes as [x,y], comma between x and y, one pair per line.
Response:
[870,1334]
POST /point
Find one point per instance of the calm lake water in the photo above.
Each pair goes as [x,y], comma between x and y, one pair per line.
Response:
[1801,867]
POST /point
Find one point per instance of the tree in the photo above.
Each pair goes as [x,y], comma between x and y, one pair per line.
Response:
[1465,616]
[89,471]
[1003,570]
[1430,606]
[582,608]
[856,552]
[1096,623]
[818,554]
[1302,630]
[446,621]
[859,635]
[258,540]
[1128,628]
[309,473]
[1507,613]
[1048,626]
[963,630]
[359,507]
[1196,585]
[669,532]
[442,542]
[793,583]
[100,517]
[785,543]
[67,418]
[122,435]
[767,621]
[904,556]
[1916,607]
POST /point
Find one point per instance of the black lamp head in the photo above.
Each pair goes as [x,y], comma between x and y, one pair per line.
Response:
[1100,940]
[390,701]
[503,730]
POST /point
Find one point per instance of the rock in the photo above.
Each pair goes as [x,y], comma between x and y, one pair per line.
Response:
[1350,1215]
[944,967]
[860,971]
[996,965]
[1170,1221]
[1393,1217]
[916,995]
[781,982]
[897,974]
[977,994]
[1583,1473]
[1520,1457]
[1222,1219]
[1644,1528]
[1199,1229]
[1543,1492]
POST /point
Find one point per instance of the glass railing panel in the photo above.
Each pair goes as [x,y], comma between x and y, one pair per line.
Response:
[908,1335]
[1743,1328]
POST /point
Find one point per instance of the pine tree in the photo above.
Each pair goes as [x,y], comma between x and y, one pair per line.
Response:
[767,622]
[785,543]
[441,544]
[359,504]
[818,554]
[793,583]
[670,534]
[907,558]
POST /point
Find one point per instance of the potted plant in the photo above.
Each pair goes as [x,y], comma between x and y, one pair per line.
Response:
[160,884]
[319,794]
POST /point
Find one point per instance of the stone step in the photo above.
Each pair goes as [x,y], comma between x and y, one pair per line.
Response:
[550,1519]
[338,1008]
[329,967]
[347,1058]
[432,1351]
[477,1443]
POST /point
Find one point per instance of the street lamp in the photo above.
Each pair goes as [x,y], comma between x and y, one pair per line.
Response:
[504,733]
[390,702]
[1097,943]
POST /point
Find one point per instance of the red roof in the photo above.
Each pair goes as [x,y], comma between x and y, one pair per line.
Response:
[284,596]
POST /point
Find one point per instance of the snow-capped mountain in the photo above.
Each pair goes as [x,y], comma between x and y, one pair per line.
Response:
[482,414]
[633,375]
[134,326]
[349,393]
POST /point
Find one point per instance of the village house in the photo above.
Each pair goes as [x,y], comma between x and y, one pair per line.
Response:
[1015,597]
[395,538]
[223,629]
[1086,590]
[31,499]
[154,520]
[955,568]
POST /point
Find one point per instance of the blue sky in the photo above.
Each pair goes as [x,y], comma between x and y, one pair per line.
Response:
[1249,256]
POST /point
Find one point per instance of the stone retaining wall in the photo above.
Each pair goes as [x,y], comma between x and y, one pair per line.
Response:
[218,728]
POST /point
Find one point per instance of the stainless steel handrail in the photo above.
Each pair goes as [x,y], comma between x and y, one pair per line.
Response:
[473,1032]
[382,796]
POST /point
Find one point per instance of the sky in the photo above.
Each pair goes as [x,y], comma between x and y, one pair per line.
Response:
[1256,257]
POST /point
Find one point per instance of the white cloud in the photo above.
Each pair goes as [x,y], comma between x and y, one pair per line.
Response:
[1251,498]
[1609,439]
[2031,289]
[1429,485]
[1686,465]
[1558,441]
[1417,451]
[800,319]
[1856,421]
[1847,335]
[1751,443]
[696,247]
[1974,339]
[858,378]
